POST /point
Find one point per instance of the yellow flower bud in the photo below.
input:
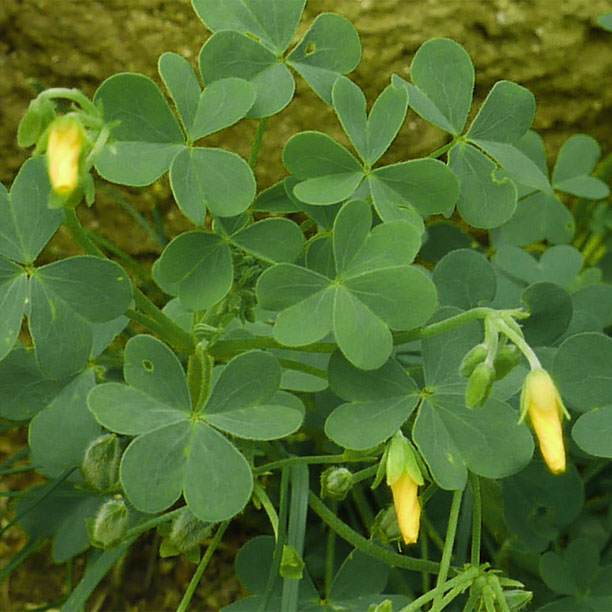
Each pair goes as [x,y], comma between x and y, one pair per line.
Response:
[66,138]
[407,507]
[542,402]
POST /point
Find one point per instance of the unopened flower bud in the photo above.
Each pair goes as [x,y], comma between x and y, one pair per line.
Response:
[188,531]
[40,113]
[404,477]
[66,140]
[542,402]
[336,482]
[110,525]
[479,385]
[472,358]
[100,467]
[507,358]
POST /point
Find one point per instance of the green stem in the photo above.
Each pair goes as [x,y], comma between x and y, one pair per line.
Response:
[261,128]
[440,590]
[75,95]
[449,542]
[197,576]
[519,341]
[476,519]
[154,522]
[17,470]
[442,150]
[426,576]
[329,556]
[367,546]
[298,366]
[364,474]
[313,459]
[444,601]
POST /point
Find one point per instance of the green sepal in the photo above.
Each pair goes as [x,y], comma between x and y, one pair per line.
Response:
[401,459]
[506,359]
[100,467]
[292,565]
[336,482]
[188,531]
[39,115]
[110,526]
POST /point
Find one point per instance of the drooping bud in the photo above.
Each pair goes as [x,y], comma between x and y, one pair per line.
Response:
[506,359]
[472,358]
[542,402]
[479,385]
[336,482]
[40,113]
[100,467]
[109,527]
[404,477]
[66,140]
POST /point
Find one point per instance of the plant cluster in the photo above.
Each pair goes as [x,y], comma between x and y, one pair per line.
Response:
[340,354]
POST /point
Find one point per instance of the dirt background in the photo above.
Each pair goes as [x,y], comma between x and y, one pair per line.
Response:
[553,47]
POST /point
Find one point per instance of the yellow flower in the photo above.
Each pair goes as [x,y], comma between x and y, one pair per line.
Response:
[66,138]
[407,507]
[404,477]
[542,402]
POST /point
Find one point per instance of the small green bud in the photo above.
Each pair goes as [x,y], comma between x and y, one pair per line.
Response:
[507,358]
[472,358]
[188,531]
[384,606]
[100,467]
[479,385]
[336,482]
[385,526]
[517,599]
[109,527]
[292,565]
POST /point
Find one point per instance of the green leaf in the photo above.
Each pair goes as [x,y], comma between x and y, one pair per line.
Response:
[232,54]
[359,576]
[330,48]
[197,267]
[182,85]
[443,77]
[275,200]
[425,184]
[605,21]
[539,505]
[13,301]
[572,574]
[505,115]
[363,337]
[561,264]
[274,240]
[66,296]
[60,434]
[438,449]
[328,171]
[147,135]
[464,278]
[581,370]
[351,229]
[24,389]
[592,432]
[274,24]
[221,104]
[576,160]
[540,216]
[550,312]
[485,201]
[151,367]
[595,300]
[371,136]
[20,238]
[211,178]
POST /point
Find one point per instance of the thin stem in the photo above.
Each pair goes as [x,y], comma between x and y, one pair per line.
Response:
[444,601]
[298,366]
[439,590]
[197,576]
[476,519]
[442,150]
[261,128]
[72,94]
[17,470]
[364,474]
[154,522]
[519,341]
[449,542]
[329,556]
[79,234]
[19,455]
[313,459]
[367,546]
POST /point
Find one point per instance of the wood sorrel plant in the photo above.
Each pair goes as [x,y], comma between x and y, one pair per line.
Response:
[344,318]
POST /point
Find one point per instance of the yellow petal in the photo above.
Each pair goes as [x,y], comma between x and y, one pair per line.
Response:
[407,507]
[63,153]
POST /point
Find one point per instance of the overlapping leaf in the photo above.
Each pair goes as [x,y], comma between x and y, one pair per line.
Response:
[178,451]
[374,289]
